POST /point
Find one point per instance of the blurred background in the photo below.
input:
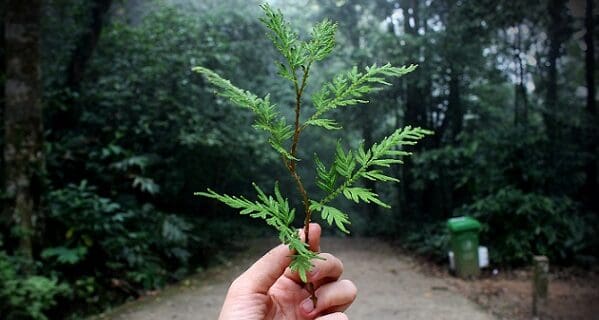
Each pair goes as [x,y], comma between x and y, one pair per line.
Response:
[107,133]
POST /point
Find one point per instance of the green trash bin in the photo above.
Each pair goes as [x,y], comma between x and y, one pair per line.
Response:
[463,241]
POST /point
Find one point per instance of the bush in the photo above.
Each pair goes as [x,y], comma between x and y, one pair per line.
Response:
[431,241]
[25,297]
[518,225]
[139,244]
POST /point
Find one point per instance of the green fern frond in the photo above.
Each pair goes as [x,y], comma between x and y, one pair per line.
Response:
[358,194]
[347,168]
[278,214]
[242,98]
[345,163]
[383,153]
[331,215]
[349,88]
[284,39]
[326,179]
[324,123]
[267,114]
[323,40]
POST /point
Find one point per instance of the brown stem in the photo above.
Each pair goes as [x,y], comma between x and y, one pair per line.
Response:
[298,106]
[299,90]
[290,164]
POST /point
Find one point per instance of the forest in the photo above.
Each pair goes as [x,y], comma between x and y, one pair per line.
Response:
[107,133]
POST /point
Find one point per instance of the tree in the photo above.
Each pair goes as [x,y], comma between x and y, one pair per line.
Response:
[590,185]
[87,43]
[557,34]
[23,132]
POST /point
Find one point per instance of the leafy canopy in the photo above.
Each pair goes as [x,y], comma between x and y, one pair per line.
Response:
[348,168]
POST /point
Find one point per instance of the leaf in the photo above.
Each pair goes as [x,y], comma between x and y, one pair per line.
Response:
[242,98]
[267,114]
[331,215]
[344,163]
[324,123]
[175,229]
[323,40]
[65,255]
[274,210]
[377,175]
[302,265]
[283,38]
[358,194]
[146,185]
[350,87]
[284,72]
[326,179]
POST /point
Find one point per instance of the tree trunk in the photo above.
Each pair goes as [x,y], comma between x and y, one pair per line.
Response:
[554,53]
[2,98]
[454,115]
[589,190]
[520,96]
[557,34]
[87,44]
[63,120]
[413,111]
[23,132]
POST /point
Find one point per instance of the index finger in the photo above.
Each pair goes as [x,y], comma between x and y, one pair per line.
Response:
[314,236]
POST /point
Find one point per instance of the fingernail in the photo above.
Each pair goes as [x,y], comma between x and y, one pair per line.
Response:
[307,305]
[313,272]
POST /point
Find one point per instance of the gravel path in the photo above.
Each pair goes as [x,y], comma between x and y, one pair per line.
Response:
[389,287]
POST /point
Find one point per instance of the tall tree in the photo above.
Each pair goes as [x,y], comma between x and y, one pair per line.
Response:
[23,132]
[558,28]
[413,110]
[88,42]
[590,185]
[557,35]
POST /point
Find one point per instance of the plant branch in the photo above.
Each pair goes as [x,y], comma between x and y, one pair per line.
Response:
[299,90]
[290,164]
[298,105]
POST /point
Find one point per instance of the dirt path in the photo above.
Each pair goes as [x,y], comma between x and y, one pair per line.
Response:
[389,288]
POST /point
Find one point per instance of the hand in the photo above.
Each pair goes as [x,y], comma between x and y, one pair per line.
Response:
[269,290]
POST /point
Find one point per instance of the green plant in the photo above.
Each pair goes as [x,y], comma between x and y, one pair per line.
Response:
[142,243]
[348,167]
[26,296]
[518,225]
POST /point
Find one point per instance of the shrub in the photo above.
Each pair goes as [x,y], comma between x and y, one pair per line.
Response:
[140,244]
[518,225]
[25,296]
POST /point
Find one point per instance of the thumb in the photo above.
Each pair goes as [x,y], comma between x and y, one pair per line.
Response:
[264,272]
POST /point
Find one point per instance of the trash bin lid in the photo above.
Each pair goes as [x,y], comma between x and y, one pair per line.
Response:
[461,224]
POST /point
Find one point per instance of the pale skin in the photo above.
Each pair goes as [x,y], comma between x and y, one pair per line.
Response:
[268,290]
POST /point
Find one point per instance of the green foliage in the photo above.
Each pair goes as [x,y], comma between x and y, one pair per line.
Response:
[141,131]
[133,241]
[518,225]
[431,240]
[267,116]
[323,40]
[65,255]
[349,88]
[274,210]
[278,214]
[284,39]
[26,297]
[348,168]
[331,215]
[145,131]
[356,165]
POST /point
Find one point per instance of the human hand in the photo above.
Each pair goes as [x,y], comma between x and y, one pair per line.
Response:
[268,290]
